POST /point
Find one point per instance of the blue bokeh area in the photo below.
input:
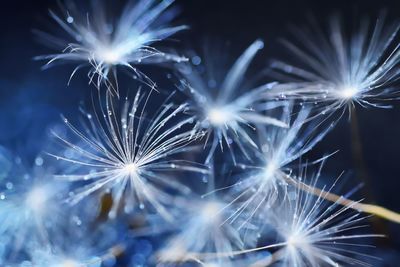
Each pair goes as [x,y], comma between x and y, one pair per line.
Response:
[32,101]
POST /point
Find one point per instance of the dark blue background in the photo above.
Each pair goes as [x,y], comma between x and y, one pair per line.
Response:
[31,100]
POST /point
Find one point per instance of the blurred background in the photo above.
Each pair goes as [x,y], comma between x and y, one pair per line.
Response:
[31,100]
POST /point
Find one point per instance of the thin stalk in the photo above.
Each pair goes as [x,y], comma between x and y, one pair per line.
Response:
[366,208]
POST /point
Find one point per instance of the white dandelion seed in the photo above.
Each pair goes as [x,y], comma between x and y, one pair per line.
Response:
[317,232]
[29,209]
[201,233]
[103,42]
[226,106]
[75,246]
[267,178]
[127,154]
[313,231]
[338,70]
[205,215]
[46,257]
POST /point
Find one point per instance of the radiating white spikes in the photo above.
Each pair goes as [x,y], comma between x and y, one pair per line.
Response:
[105,41]
[203,233]
[317,232]
[337,70]
[128,154]
[312,232]
[28,212]
[75,246]
[226,107]
[264,180]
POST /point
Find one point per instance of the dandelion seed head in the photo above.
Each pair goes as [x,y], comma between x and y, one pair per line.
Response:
[219,116]
[29,207]
[109,55]
[338,67]
[36,199]
[206,217]
[317,232]
[103,41]
[265,180]
[223,106]
[72,245]
[130,169]
[348,92]
[270,169]
[296,241]
[128,156]
[210,212]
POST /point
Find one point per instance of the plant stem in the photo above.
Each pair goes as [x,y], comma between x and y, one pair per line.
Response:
[367,208]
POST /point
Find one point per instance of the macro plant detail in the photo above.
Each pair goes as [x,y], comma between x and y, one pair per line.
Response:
[226,107]
[200,159]
[342,69]
[104,42]
[127,153]
[313,231]
[208,220]
[261,183]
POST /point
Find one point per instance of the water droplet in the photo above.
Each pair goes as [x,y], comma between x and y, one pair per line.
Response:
[196,60]
[9,185]
[39,161]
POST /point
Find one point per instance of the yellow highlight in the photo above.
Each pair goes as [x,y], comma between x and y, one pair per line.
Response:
[366,208]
